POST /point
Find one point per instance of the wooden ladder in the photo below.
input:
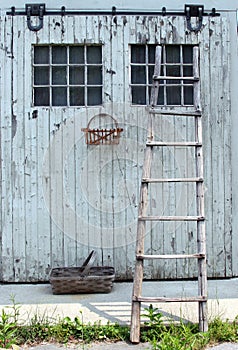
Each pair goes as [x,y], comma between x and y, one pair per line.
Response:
[143,217]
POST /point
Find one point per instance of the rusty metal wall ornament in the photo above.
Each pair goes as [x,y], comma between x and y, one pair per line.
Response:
[102,136]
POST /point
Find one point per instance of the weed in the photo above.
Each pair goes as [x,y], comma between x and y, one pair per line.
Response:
[182,336]
[154,327]
[174,336]
[155,317]
[8,330]
[76,329]
[221,331]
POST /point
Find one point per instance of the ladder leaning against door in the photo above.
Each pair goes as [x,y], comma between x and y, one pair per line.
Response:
[143,217]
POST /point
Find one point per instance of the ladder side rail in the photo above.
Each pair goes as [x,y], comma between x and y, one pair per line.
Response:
[157,70]
[201,236]
[141,228]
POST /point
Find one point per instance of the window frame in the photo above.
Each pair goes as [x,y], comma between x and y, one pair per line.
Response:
[163,84]
[85,86]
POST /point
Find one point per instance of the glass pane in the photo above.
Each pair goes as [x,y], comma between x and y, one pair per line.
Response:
[173,54]
[94,54]
[59,76]
[188,95]
[138,75]
[76,54]
[138,95]
[41,96]
[94,75]
[59,54]
[41,54]
[187,54]
[173,95]
[76,96]
[94,96]
[138,53]
[76,75]
[187,71]
[173,71]
[59,96]
[151,54]
[41,75]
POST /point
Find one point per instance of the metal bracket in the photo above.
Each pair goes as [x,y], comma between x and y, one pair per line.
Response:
[194,11]
[35,10]
[40,11]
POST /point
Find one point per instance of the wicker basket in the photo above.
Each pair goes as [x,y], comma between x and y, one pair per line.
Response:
[102,136]
[85,279]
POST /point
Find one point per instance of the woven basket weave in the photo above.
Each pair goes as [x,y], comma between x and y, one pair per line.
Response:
[68,280]
[85,279]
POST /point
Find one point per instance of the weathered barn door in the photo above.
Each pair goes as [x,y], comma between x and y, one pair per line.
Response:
[60,197]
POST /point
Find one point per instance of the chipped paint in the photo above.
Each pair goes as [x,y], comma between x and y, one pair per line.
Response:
[62,198]
[14,125]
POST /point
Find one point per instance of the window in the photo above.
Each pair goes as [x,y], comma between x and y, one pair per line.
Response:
[177,60]
[67,75]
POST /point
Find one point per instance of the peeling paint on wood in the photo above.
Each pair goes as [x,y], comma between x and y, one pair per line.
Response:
[61,198]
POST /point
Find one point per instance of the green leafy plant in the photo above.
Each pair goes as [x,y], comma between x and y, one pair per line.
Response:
[154,326]
[9,323]
[178,336]
[154,317]
[221,331]
[182,337]
[76,329]
[8,330]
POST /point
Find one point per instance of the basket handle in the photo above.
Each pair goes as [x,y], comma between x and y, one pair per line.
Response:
[88,263]
[102,115]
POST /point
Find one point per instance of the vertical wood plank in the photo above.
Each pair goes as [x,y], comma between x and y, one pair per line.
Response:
[1,112]
[34,260]
[217,136]
[206,102]
[17,150]
[6,153]
[232,20]
[43,180]
[120,192]
[227,146]
[108,170]
[68,172]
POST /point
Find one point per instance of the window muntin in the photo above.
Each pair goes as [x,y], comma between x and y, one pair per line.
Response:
[67,75]
[177,60]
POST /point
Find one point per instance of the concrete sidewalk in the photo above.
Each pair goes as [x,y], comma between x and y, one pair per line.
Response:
[115,306]
[37,299]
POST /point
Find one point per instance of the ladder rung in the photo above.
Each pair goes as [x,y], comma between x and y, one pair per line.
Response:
[167,299]
[180,144]
[161,77]
[171,218]
[185,179]
[170,256]
[175,113]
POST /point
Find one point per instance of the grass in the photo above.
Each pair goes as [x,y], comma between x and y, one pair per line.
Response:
[162,337]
